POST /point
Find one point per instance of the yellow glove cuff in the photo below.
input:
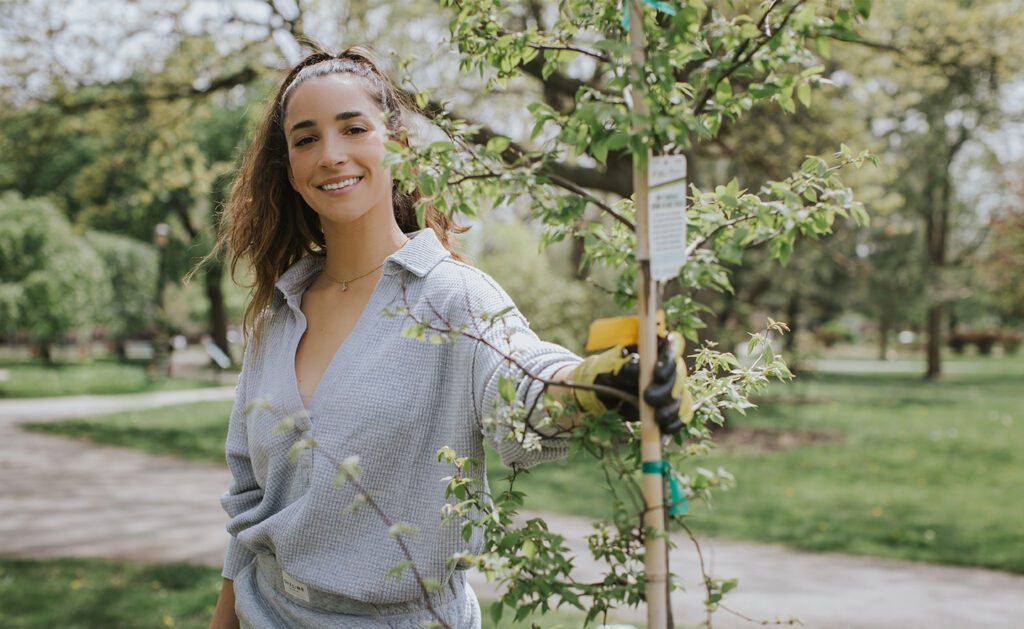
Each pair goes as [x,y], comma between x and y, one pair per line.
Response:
[679,390]
[608,361]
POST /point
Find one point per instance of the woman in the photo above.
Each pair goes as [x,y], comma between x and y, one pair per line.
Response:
[333,244]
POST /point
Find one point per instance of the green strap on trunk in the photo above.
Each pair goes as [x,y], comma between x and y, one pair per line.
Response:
[661,6]
[679,505]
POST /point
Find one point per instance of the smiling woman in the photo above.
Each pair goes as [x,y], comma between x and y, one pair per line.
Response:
[337,250]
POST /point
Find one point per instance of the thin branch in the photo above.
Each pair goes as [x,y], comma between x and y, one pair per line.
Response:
[597,388]
[388,522]
[600,56]
[700,242]
[572,187]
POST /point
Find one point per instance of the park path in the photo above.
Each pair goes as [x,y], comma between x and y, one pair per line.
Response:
[62,497]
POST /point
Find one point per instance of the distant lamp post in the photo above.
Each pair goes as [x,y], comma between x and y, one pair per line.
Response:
[161,233]
[161,363]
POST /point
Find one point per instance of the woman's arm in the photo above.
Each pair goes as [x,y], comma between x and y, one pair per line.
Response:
[568,421]
[224,615]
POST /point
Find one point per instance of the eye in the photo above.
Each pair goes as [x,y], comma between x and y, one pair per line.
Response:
[355,130]
[303,141]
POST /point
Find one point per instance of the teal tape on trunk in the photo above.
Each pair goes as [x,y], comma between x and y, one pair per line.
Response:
[660,6]
[679,505]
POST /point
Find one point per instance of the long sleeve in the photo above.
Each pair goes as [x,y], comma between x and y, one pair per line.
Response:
[509,335]
[244,492]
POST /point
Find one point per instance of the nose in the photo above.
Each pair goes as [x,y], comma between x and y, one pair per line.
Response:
[334,152]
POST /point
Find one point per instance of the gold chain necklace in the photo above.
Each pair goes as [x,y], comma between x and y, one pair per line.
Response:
[345,283]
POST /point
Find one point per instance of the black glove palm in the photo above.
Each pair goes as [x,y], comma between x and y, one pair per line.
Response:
[658,394]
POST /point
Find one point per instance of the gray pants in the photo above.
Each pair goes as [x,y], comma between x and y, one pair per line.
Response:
[261,603]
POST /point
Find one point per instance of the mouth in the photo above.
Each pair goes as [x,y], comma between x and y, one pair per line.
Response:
[340,186]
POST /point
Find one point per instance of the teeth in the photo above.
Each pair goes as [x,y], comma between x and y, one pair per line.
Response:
[340,184]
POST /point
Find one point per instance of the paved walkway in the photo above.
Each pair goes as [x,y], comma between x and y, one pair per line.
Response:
[61,497]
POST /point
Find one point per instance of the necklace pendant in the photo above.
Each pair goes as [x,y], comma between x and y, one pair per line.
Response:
[344,286]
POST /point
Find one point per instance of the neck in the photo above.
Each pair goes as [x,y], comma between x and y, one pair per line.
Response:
[359,247]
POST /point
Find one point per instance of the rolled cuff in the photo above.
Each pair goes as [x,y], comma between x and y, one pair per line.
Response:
[237,557]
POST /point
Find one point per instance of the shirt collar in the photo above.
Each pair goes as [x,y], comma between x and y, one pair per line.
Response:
[422,253]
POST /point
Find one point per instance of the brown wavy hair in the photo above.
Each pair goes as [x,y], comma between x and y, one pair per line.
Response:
[267,223]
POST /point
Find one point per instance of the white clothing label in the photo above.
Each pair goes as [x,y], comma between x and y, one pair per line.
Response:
[666,215]
[294,587]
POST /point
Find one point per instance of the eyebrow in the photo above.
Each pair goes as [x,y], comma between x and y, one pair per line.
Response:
[345,115]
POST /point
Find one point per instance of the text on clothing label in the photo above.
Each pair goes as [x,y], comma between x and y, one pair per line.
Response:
[295,588]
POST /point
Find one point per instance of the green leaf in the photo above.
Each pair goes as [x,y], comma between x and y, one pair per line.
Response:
[496,610]
[723,91]
[497,144]
[414,331]
[421,215]
[824,46]
[529,549]
[507,389]
[426,184]
[787,103]
[446,454]
[803,92]
[401,528]
[396,570]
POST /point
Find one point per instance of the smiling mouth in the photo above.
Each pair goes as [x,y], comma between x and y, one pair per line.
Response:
[340,185]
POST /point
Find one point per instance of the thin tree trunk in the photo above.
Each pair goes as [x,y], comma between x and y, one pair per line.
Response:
[937,233]
[884,326]
[791,345]
[934,342]
[213,276]
[46,353]
[218,310]
[576,258]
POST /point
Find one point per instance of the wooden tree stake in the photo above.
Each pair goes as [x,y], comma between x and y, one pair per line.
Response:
[655,545]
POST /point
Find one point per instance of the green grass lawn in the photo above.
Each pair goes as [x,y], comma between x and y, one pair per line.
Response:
[28,380]
[928,471]
[92,593]
[193,431]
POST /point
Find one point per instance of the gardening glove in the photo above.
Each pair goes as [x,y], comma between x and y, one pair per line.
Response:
[619,368]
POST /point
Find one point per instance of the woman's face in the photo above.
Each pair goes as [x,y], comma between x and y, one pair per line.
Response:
[336,134]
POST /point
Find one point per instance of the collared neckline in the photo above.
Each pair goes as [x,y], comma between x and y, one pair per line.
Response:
[419,255]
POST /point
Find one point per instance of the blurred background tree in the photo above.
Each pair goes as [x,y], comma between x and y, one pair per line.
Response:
[52,281]
[125,124]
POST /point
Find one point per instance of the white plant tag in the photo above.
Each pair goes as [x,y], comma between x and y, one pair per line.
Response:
[666,215]
[295,588]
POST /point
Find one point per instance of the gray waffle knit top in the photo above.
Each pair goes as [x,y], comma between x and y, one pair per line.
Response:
[391,400]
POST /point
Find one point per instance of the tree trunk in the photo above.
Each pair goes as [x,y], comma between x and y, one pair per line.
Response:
[884,326]
[46,353]
[218,310]
[576,258]
[790,342]
[937,224]
[934,342]
[212,277]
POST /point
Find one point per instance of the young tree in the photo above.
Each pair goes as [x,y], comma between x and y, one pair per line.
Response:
[707,64]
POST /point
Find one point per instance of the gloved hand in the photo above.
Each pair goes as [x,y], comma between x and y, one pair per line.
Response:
[619,368]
